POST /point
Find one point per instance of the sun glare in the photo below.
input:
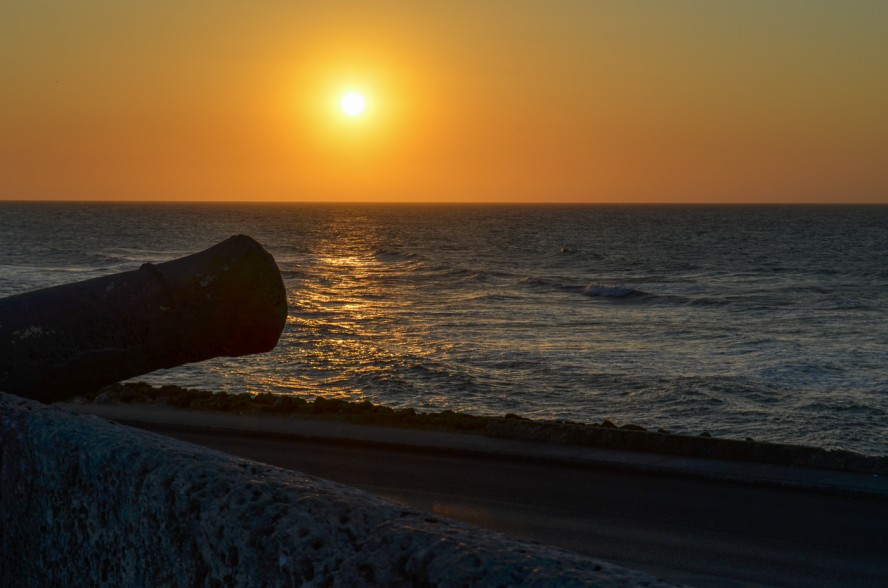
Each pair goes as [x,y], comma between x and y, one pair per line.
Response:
[352,104]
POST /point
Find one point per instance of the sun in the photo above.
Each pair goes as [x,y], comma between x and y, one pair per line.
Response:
[352,104]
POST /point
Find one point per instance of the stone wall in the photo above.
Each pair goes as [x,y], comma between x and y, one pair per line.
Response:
[87,502]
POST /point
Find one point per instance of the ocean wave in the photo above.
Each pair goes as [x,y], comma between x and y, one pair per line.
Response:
[821,407]
[551,284]
[713,301]
[590,290]
[456,274]
[544,283]
[48,270]
[608,291]
[128,255]
[107,259]
[394,256]
[477,277]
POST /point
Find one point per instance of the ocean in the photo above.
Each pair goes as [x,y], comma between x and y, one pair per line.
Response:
[768,322]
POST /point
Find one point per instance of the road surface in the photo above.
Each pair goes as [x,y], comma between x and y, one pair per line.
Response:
[700,532]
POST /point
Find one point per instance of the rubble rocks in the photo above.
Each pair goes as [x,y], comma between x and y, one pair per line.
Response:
[606,434]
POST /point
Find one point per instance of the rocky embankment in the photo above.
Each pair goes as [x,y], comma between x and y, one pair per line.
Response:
[605,434]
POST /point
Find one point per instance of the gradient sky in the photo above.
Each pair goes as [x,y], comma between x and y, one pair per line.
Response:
[481,100]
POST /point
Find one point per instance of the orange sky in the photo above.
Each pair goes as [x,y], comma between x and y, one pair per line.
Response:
[555,101]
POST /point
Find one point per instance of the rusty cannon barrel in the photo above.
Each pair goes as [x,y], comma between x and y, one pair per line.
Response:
[62,341]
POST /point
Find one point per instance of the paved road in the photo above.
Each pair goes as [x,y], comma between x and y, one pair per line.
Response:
[703,533]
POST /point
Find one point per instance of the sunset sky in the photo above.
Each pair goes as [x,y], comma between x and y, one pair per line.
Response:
[480,101]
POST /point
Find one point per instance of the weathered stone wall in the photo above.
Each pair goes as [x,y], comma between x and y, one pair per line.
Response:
[87,502]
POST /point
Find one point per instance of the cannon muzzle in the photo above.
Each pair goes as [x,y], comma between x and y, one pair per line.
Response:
[62,341]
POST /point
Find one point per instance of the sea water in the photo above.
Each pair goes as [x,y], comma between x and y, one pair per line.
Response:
[744,321]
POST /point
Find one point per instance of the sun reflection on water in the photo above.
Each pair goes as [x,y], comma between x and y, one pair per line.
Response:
[346,324]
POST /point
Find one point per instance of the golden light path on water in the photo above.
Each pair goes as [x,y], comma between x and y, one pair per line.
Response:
[346,316]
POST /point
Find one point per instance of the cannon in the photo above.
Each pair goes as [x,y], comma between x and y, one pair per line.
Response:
[66,340]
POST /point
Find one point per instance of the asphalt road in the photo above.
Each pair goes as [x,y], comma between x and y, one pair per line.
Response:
[703,533]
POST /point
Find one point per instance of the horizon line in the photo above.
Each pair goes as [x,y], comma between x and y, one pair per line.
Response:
[439,202]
